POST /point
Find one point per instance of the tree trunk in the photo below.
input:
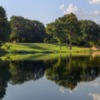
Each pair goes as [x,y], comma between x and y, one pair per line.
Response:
[60,45]
[70,43]
[69,63]
[66,42]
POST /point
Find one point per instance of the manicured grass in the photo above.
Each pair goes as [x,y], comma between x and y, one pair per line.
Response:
[40,48]
[39,56]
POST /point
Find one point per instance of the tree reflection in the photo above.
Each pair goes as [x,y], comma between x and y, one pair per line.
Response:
[18,72]
[4,77]
[69,72]
[66,72]
[22,71]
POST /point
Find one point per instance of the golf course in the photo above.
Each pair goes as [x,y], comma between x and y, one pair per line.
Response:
[40,48]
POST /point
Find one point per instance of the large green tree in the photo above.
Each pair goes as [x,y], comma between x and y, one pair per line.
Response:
[89,32]
[71,27]
[25,30]
[50,31]
[4,26]
[56,31]
[59,32]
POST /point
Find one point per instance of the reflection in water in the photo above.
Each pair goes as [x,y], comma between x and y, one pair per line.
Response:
[66,72]
[4,77]
[24,71]
[17,72]
[95,96]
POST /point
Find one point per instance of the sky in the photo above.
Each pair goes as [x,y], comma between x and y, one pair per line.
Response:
[47,11]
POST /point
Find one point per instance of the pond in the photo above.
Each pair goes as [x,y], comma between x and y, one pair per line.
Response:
[50,77]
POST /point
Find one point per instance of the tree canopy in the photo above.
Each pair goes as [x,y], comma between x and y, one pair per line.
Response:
[90,32]
[4,26]
[25,30]
[73,31]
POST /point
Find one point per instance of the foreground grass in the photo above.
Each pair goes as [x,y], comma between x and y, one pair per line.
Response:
[39,48]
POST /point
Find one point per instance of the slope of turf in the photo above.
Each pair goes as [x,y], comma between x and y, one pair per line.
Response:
[40,48]
[39,56]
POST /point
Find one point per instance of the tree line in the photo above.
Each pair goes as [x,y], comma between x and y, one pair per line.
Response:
[73,31]
[66,29]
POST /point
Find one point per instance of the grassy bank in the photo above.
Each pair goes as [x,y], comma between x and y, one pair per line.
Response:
[39,56]
[45,56]
[40,48]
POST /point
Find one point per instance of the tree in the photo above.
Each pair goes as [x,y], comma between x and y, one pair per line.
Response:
[66,26]
[56,31]
[89,32]
[17,29]
[4,26]
[50,31]
[71,27]
[59,32]
[25,30]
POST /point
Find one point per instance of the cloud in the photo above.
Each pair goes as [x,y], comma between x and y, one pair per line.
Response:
[61,89]
[71,8]
[95,96]
[81,13]
[96,20]
[62,7]
[95,13]
[94,1]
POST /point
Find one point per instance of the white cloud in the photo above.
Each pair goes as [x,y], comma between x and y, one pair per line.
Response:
[72,91]
[96,21]
[71,9]
[94,1]
[62,7]
[95,13]
[81,13]
[61,89]
[95,96]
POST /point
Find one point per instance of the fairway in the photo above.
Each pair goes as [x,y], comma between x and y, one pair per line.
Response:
[40,48]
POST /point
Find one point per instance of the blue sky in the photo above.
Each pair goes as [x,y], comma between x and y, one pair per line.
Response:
[47,11]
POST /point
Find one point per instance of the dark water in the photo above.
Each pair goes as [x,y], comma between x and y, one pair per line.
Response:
[68,78]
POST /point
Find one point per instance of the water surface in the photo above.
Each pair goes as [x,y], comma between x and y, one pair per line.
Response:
[50,77]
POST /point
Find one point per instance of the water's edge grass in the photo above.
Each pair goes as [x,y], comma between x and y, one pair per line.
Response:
[23,48]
